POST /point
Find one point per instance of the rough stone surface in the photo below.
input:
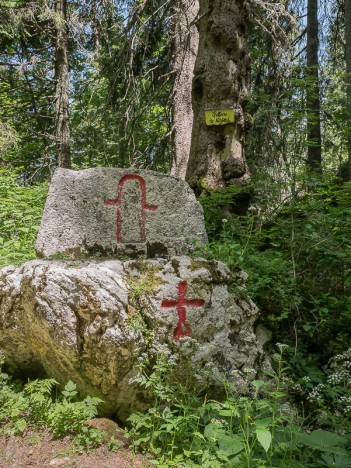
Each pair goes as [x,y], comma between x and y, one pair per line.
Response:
[128,211]
[92,322]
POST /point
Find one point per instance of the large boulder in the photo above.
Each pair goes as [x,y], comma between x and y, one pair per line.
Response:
[91,322]
[119,211]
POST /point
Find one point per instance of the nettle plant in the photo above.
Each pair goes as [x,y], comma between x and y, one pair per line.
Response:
[183,429]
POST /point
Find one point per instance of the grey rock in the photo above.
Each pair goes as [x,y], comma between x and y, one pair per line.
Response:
[125,211]
[93,322]
[263,335]
[64,461]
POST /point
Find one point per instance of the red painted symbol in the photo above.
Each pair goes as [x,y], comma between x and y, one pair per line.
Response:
[144,206]
[183,328]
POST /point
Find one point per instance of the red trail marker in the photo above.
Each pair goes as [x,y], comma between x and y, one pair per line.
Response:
[144,206]
[183,328]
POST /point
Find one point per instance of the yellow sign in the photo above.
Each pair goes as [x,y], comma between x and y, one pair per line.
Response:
[219,117]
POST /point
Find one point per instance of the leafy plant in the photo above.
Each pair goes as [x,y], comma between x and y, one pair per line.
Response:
[263,429]
[33,405]
[20,214]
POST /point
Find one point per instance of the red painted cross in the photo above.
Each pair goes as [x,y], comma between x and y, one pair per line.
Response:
[144,206]
[183,328]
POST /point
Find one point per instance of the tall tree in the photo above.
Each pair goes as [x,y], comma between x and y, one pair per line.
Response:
[348,77]
[220,82]
[134,64]
[62,128]
[314,149]
[26,62]
[186,45]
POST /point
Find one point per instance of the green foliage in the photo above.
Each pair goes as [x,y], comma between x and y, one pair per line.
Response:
[313,238]
[68,415]
[262,430]
[120,112]
[26,89]
[20,214]
[33,405]
[298,262]
[121,80]
[297,256]
[324,391]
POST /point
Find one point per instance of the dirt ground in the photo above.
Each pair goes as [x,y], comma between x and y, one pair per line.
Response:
[40,449]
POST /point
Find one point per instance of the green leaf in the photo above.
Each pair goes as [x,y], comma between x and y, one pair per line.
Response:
[264,437]
[228,412]
[337,461]
[322,438]
[213,432]
[70,386]
[198,434]
[324,441]
[231,444]
[263,422]
[257,384]
[21,425]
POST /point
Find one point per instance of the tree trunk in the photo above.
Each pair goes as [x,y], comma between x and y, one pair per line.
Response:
[186,45]
[348,78]
[220,82]
[62,130]
[314,147]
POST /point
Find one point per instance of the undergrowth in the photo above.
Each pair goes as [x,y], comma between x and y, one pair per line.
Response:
[184,430]
[21,209]
[298,260]
[36,405]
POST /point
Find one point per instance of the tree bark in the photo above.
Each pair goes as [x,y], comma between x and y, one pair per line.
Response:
[62,129]
[220,82]
[186,45]
[348,79]
[314,146]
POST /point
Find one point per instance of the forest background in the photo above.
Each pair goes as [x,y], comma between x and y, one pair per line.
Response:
[285,218]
